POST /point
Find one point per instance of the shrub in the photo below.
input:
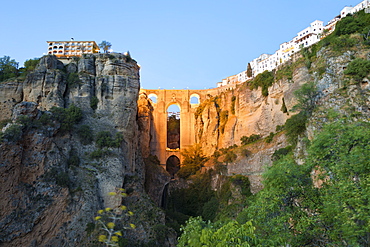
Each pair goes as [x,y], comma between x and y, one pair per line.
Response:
[73,79]
[98,153]
[358,69]
[73,159]
[263,80]
[295,126]
[4,122]
[104,139]
[245,152]
[243,183]
[246,140]
[278,154]
[85,134]
[67,116]
[269,137]
[188,170]
[13,133]
[94,102]
[230,157]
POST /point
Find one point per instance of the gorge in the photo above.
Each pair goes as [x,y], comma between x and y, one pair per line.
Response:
[72,134]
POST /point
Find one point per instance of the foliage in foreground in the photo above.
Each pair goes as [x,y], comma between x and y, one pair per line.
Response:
[324,202]
[200,233]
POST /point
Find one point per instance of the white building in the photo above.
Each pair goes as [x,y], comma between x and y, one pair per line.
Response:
[351,10]
[310,35]
[305,38]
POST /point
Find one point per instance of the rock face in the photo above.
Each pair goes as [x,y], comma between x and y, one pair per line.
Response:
[51,184]
[249,112]
[253,113]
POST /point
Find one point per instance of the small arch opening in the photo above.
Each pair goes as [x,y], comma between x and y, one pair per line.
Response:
[173,127]
[153,97]
[173,165]
[194,99]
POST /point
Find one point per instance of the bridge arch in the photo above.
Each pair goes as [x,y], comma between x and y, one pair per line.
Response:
[153,97]
[172,165]
[194,99]
[187,101]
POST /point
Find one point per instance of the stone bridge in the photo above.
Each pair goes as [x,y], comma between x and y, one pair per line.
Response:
[187,101]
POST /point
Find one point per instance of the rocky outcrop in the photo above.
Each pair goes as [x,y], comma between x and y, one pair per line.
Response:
[51,183]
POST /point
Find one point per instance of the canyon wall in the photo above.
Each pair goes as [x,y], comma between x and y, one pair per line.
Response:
[53,181]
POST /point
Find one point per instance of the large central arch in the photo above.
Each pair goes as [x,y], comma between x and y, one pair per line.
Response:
[188,101]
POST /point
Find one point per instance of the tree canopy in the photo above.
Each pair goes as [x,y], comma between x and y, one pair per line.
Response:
[8,68]
[105,45]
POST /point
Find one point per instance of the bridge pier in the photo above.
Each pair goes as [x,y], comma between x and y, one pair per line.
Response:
[184,99]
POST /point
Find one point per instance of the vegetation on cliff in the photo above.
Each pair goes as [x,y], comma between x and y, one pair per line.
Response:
[322,200]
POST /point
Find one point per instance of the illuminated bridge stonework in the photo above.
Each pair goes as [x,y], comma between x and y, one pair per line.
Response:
[184,100]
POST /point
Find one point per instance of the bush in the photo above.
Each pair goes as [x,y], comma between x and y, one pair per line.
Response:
[13,133]
[73,159]
[4,122]
[246,140]
[263,80]
[243,183]
[104,139]
[98,153]
[245,152]
[73,79]
[358,69]
[230,157]
[188,170]
[278,154]
[67,116]
[269,138]
[295,126]
[85,134]
[94,102]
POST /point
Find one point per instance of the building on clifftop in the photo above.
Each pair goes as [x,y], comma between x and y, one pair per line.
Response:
[67,49]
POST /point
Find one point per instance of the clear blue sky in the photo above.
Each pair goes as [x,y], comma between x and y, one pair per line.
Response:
[179,44]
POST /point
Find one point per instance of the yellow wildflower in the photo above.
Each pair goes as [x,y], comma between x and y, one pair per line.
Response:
[101,211]
[132,226]
[112,193]
[110,225]
[123,207]
[130,213]
[118,233]
[108,209]
[102,238]
[97,217]
[114,239]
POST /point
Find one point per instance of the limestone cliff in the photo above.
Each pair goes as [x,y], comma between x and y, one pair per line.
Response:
[242,111]
[54,181]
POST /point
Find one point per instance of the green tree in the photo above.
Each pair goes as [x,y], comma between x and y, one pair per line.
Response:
[342,153]
[307,97]
[8,68]
[105,45]
[193,161]
[249,70]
